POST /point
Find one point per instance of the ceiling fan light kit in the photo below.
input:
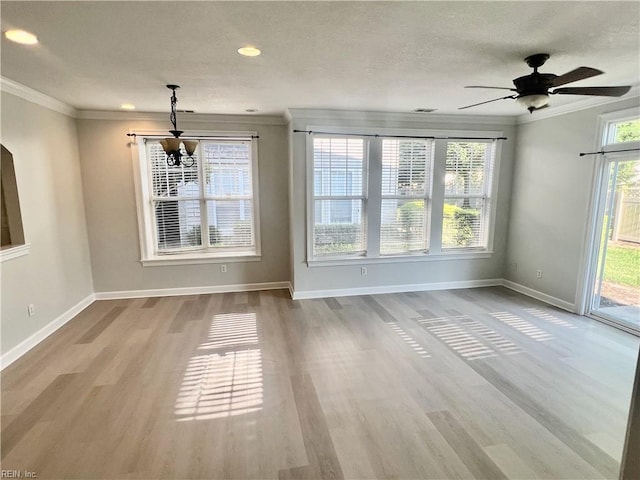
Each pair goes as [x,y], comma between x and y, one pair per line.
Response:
[533,102]
[533,90]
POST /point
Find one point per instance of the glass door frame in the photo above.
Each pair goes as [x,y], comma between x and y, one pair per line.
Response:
[590,267]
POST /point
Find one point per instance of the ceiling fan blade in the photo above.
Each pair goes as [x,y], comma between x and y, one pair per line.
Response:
[488,101]
[579,73]
[597,91]
[494,88]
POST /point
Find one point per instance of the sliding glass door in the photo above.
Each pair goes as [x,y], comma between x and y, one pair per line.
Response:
[616,293]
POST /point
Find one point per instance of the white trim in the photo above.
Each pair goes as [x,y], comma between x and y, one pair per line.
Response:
[23,347]
[415,287]
[9,253]
[207,118]
[612,322]
[39,98]
[184,259]
[173,292]
[543,297]
[335,261]
[576,106]
[419,119]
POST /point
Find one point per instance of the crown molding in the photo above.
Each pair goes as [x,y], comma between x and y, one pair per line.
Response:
[34,96]
[577,106]
[183,117]
[421,119]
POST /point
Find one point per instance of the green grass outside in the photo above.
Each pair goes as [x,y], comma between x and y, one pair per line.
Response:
[622,266]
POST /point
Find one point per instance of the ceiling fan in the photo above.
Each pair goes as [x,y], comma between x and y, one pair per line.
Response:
[533,90]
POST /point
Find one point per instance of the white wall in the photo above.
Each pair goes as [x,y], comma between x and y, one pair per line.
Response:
[56,274]
[551,201]
[309,281]
[107,174]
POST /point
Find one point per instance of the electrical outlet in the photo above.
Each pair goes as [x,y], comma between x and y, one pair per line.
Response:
[31,309]
[538,273]
[223,268]
[363,270]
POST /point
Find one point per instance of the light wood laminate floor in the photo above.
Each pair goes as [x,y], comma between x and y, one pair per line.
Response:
[478,383]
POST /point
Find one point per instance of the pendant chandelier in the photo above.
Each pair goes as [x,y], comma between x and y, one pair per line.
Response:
[171,145]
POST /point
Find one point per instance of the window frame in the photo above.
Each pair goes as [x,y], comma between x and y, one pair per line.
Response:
[147,228]
[427,197]
[486,196]
[609,121]
[311,199]
[434,207]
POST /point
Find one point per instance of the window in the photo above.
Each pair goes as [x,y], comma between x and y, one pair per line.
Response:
[466,195]
[385,197]
[205,211]
[338,196]
[406,186]
[624,131]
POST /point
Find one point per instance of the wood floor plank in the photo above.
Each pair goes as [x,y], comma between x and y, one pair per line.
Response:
[591,453]
[101,325]
[151,302]
[473,456]
[22,423]
[254,385]
[322,457]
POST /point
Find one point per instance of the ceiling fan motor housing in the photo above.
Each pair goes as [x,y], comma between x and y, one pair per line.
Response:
[534,84]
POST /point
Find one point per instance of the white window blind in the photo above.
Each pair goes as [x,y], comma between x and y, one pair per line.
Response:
[338,196]
[469,170]
[208,207]
[406,185]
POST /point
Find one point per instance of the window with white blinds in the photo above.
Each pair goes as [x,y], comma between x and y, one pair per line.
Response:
[386,196]
[207,209]
[406,187]
[468,174]
[338,196]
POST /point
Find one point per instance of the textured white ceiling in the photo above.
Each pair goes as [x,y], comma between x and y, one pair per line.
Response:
[382,56]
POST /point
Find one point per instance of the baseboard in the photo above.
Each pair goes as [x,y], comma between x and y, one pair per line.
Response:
[543,297]
[23,347]
[415,287]
[172,292]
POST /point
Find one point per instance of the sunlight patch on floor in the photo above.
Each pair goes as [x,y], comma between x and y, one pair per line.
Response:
[548,317]
[460,340]
[522,326]
[409,340]
[228,381]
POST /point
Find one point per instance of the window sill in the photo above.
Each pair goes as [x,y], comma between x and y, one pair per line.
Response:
[11,252]
[167,260]
[458,255]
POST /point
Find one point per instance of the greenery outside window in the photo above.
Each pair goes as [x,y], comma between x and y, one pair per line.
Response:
[469,168]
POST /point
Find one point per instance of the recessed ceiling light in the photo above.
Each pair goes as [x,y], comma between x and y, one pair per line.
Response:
[128,106]
[21,36]
[249,51]
[251,110]
[425,110]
